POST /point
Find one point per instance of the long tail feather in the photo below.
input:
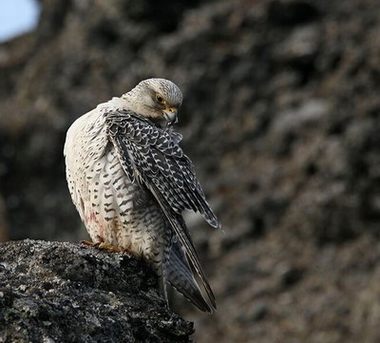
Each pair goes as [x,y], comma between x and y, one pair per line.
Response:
[179,274]
[178,225]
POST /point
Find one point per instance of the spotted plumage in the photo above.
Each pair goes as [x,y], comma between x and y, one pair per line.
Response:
[130,182]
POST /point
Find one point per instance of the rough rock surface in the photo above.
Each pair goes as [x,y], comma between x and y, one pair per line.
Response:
[63,292]
[281,117]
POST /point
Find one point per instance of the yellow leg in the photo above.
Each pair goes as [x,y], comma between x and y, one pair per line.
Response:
[104,246]
[109,247]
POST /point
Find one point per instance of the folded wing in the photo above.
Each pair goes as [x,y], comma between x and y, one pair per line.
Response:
[152,157]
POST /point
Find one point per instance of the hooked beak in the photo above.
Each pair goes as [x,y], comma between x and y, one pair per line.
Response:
[170,115]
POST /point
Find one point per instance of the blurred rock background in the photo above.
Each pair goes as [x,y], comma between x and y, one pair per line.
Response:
[281,117]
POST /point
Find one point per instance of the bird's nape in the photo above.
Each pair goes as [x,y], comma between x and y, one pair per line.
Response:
[156,99]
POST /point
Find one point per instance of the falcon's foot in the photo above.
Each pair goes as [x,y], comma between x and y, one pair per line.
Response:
[103,246]
[109,247]
[88,243]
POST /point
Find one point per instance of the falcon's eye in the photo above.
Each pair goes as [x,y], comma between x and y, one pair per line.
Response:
[160,99]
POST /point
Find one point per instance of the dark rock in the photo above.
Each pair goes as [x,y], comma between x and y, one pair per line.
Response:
[258,312]
[292,12]
[291,275]
[63,292]
[300,51]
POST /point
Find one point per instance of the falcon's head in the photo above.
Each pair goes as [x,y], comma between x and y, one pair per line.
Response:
[157,100]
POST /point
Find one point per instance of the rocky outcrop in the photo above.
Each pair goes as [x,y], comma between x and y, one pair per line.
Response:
[63,292]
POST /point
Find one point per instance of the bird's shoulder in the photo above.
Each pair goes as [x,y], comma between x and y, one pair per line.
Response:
[129,125]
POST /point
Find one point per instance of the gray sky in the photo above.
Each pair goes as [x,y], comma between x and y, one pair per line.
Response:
[17,17]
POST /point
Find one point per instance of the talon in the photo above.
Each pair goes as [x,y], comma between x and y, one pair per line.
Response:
[89,243]
[109,247]
[105,246]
